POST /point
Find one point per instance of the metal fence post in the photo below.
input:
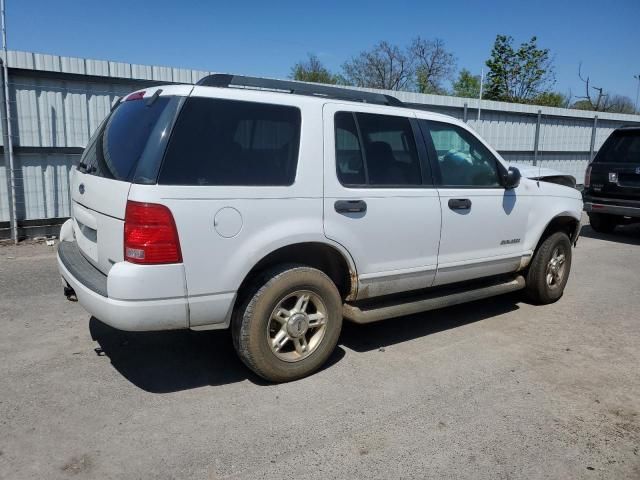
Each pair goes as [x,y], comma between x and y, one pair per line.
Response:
[464,114]
[593,137]
[536,141]
[8,137]
[7,148]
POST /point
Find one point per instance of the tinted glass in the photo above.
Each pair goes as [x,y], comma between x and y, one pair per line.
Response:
[390,150]
[379,151]
[349,164]
[116,147]
[229,142]
[622,146]
[463,160]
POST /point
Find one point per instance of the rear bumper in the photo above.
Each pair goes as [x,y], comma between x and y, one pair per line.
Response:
[92,289]
[627,208]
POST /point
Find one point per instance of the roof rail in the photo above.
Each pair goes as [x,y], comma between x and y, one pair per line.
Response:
[298,88]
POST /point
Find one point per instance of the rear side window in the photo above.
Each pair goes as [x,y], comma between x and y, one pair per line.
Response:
[229,142]
[376,150]
[117,146]
[622,147]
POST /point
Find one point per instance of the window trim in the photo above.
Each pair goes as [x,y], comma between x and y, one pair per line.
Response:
[426,179]
[425,126]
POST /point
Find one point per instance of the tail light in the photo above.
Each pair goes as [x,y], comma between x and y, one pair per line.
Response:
[587,177]
[150,234]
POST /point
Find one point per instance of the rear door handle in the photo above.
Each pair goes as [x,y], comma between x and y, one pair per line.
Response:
[350,206]
[459,203]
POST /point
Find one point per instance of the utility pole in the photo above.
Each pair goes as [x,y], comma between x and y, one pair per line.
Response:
[637,77]
[481,86]
[8,136]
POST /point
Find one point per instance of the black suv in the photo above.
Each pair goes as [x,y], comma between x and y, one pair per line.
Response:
[612,181]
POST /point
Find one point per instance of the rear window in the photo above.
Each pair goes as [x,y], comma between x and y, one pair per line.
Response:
[134,129]
[621,147]
[229,142]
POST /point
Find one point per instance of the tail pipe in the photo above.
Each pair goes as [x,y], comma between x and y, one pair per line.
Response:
[70,293]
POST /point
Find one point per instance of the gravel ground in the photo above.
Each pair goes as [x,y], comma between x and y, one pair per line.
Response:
[494,389]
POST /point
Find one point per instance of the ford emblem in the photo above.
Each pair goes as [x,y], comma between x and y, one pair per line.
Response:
[81,188]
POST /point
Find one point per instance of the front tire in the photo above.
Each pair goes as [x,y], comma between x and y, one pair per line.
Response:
[549,269]
[603,223]
[289,323]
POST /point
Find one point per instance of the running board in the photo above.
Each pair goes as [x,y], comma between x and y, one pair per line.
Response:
[430,301]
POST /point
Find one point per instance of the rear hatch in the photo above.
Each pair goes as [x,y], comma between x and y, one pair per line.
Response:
[615,171]
[127,147]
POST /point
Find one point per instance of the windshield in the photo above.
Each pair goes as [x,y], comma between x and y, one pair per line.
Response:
[135,129]
[621,147]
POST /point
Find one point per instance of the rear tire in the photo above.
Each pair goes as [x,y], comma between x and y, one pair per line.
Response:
[549,269]
[602,222]
[288,324]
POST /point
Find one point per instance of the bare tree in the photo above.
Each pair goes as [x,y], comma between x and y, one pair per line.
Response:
[385,66]
[433,64]
[601,101]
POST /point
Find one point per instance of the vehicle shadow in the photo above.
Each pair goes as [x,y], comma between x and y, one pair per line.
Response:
[363,338]
[171,361]
[628,234]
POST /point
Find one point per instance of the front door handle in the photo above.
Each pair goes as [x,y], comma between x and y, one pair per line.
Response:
[350,206]
[459,203]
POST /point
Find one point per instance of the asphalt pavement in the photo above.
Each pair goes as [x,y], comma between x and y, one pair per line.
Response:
[494,389]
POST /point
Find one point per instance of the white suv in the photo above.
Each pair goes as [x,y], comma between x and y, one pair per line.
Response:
[278,208]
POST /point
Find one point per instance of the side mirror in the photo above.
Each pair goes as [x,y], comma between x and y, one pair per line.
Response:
[512,178]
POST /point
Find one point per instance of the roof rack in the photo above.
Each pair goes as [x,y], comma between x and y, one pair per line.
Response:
[298,88]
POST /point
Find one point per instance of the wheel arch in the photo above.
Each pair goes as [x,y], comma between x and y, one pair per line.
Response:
[336,263]
[563,222]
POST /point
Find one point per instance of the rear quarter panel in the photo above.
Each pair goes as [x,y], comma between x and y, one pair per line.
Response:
[220,248]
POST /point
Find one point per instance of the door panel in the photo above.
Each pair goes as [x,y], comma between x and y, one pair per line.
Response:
[485,239]
[394,239]
[483,224]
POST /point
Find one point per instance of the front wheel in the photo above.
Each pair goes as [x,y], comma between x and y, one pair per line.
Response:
[549,269]
[289,323]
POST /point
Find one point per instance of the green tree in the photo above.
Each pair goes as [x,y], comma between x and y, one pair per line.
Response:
[312,70]
[518,75]
[552,99]
[467,85]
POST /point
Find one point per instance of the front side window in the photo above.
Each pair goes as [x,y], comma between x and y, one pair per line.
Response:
[376,150]
[463,160]
[230,142]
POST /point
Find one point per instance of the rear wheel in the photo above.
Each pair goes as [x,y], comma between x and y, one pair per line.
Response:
[549,269]
[289,323]
[603,223]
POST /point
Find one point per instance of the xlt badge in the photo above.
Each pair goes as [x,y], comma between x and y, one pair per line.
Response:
[510,242]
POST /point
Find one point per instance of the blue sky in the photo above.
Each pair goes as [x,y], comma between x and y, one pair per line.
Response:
[267,37]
